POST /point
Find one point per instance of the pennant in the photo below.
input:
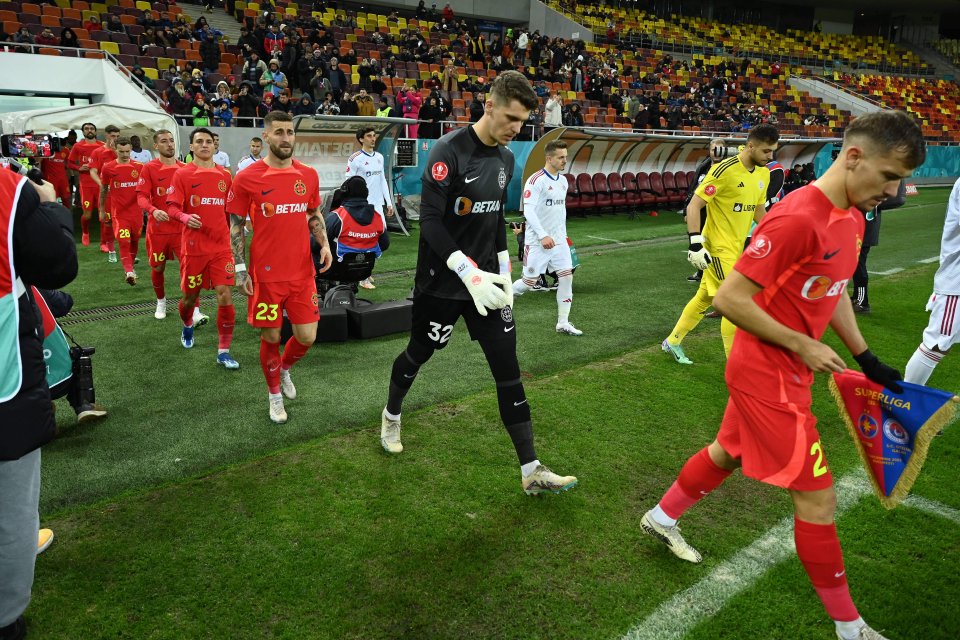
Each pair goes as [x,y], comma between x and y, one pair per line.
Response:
[892,431]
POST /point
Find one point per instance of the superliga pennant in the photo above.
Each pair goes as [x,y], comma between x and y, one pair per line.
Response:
[892,431]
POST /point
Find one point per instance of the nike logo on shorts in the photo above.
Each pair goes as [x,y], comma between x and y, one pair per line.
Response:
[517,404]
[509,329]
[469,180]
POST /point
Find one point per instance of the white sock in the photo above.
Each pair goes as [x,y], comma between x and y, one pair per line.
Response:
[161,300]
[564,299]
[661,518]
[274,395]
[520,287]
[921,365]
[219,351]
[530,467]
[849,630]
[390,416]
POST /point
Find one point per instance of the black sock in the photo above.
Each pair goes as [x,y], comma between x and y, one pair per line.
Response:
[405,369]
[515,413]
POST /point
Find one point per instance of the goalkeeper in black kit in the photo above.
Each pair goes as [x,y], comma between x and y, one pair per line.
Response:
[463,270]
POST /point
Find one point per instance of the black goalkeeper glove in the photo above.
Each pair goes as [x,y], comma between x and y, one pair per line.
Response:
[879,372]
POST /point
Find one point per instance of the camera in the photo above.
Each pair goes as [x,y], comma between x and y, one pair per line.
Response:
[81,393]
[29,145]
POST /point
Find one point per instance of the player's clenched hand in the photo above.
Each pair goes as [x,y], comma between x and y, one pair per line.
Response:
[326,259]
[244,283]
[820,357]
[697,255]
[878,371]
[160,215]
[488,290]
[547,242]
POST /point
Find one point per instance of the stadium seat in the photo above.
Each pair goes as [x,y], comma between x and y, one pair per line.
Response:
[670,189]
[647,195]
[573,195]
[630,190]
[588,198]
[602,190]
[110,47]
[618,194]
[656,185]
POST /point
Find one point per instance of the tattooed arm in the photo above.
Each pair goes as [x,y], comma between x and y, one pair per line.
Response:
[237,244]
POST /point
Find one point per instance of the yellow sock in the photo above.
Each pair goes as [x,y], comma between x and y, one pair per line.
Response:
[691,316]
[727,331]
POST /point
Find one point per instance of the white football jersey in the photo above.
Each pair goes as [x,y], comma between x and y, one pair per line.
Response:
[544,198]
[947,279]
[143,156]
[369,166]
[245,162]
[221,158]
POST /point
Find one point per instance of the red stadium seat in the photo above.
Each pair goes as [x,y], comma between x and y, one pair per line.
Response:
[573,194]
[682,183]
[588,198]
[656,185]
[673,193]
[602,189]
[617,192]
[647,195]
[630,189]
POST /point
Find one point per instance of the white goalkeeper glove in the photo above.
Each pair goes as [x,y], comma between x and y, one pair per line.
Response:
[506,267]
[487,289]
[697,255]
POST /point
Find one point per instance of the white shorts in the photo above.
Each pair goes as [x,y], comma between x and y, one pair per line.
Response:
[943,331]
[537,260]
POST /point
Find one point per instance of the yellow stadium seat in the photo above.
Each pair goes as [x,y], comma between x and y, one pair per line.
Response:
[143,6]
[110,47]
[290,11]
[98,7]
[151,73]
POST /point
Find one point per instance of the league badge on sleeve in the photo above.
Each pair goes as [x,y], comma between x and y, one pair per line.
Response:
[892,431]
[439,171]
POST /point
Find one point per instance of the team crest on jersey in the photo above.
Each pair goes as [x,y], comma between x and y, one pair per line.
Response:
[439,171]
[760,247]
[502,178]
[229,268]
[222,186]
[526,194]
[760,184]
[710,190]
[134,173]
[299,188]
[315,299]
[895,432]
[506,314]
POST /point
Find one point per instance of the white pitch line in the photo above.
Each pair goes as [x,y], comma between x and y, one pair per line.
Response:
[929,260]
[933,507]
[607,239]
[888,272]
[678,615]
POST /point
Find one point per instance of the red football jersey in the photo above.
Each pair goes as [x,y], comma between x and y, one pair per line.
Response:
[54,168]
[155,179]
[280,249]
[81,154]
[102,156]
[122,180]
[803,253]
[203,192]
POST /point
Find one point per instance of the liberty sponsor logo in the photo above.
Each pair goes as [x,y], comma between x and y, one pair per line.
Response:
[760,247]
[464,206]
[555,202]
[439,171]
[739,206]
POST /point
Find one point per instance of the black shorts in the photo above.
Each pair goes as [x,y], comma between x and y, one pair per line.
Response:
[434,319]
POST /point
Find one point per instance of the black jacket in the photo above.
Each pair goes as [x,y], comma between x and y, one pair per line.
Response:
[45,255]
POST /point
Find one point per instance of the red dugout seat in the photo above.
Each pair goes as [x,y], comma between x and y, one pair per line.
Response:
[656,185]
[647,195]
[573,194]
[618,194]
[588,198]
[602,189]
[630,189]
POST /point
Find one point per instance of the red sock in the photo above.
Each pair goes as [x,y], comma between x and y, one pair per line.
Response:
[819,550]
[135,242]
[85,224]
[699,476]
[156,277]
[270,363]
[226,315]
[186,313]
[292,353]
[126,259]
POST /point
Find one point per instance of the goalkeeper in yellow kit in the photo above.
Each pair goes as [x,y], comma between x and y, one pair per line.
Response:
[733,192]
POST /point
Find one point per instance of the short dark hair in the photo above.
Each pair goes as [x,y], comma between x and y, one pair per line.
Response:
[157,134]
[200,130]
[554,145]
[513,85]
[257,139]
[764,133]
[112,128]
[123,141]
[890,131]
[216,136]
[364,130]
[88,123]
[276,116]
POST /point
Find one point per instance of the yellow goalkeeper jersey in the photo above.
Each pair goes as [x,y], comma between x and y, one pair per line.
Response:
[732,193]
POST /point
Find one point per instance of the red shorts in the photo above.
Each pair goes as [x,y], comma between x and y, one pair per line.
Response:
[206,271]
[126,228]
[89,195]
[162,247]
[62,188]
[297,297]
[777,443]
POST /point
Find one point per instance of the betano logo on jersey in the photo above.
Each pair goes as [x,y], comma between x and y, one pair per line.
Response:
[463,206]
[123,185]
[197,201]
[269,209]
[817,287]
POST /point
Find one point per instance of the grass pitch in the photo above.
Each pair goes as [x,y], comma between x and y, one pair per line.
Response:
[187,514]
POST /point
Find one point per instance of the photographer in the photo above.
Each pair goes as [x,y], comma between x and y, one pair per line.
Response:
[353,224]
[44,254]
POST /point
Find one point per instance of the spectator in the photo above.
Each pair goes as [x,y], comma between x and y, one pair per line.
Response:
[264,107]
[178,102]
[273,42]
[47,38]
[282,103]
[451,77]
[365,106]
[305,106]
[171,74]
[642,119]
[273,80]
[319,84]
[93,24]
[24,37]
[347,106]
[68,38]
[198,82]
[138,73]
[114,24]
[430,115]
[201,111]
[210,54]
[476,107]
[247,103]
[253,70]
[409,102]
[384,110]
[291,55]
[338,81]
[574,117]
[198,29]
[248,43]
[328,107]
[553,112]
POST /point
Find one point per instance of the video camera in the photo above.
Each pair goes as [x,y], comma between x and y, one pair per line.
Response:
[29,145]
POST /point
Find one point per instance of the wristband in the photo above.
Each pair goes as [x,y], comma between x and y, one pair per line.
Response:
[695,238]
[460,264]
[240,267]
